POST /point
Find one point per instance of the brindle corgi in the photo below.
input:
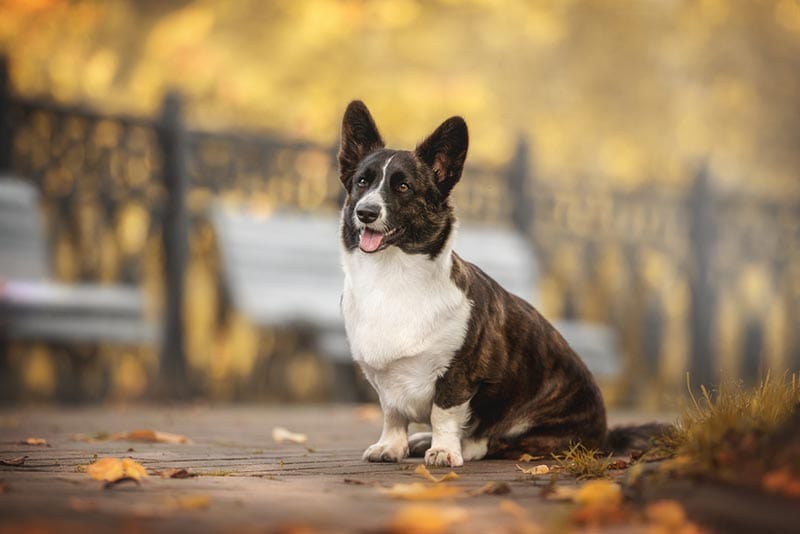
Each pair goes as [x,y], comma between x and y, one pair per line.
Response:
[439,340]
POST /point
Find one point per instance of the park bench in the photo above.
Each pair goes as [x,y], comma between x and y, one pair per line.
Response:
[279,280]
[34,307]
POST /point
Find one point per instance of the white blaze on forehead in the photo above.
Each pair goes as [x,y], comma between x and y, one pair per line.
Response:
[375,197]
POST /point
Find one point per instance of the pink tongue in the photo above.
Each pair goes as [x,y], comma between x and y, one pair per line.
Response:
[370,241]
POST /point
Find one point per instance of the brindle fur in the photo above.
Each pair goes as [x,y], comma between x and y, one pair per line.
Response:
[514,368]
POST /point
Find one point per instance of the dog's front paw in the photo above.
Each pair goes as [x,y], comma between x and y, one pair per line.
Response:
[443,457]
[385,452]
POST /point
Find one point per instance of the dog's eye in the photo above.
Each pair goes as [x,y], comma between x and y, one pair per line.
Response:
[403,187]
[362,182]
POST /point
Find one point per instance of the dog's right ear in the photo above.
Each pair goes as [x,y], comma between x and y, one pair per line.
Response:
[359,137]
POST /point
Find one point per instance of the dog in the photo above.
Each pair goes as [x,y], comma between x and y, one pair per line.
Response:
[441,342]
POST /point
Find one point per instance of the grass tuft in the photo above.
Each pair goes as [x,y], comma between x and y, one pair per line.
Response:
[730,423]
[582,462]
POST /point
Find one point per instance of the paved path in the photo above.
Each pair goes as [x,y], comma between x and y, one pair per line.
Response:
[246,481]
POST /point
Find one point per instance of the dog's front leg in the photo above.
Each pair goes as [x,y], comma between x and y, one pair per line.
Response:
[447,425]
[393,443]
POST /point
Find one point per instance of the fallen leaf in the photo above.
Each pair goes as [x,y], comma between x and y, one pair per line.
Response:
[599,492]
[175,473]
[200,501]
[34,441]
[619,464]
[280,434]
[152,436]
[416,491]
[510,507]
[666,513]
[528,458]
[535,470]
[369,412]
[426,519]
[781,481]
[493,488]
[14,462]
[424,473]
[98,436]
[115,470]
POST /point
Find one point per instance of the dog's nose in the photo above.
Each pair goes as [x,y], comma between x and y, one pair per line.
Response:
[368,213]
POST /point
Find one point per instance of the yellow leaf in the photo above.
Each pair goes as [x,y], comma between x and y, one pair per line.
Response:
[427,519]
[424,473]
[133,470]
[35,441]
[528,458]
[280,434]
[114,469]
[599,492]
[153,436]
[417,491]
[108,469]
[535,470]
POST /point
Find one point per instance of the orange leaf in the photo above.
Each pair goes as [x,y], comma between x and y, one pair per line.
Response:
[427,519]
[535,470]
[35,441]
[152,436]
[114,469]
[424,473]
[417,491]
[528,458]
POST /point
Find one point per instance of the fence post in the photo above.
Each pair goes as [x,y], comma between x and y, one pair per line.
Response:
[702,236]
[175,234]
[6,133]
[519,188]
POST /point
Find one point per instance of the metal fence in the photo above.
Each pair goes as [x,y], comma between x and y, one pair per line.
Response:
[691,279]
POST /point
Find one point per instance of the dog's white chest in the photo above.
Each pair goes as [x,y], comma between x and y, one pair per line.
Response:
[405,319]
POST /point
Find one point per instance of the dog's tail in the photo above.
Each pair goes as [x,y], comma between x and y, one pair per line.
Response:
[623,439]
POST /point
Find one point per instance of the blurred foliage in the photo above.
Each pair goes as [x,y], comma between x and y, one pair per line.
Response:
[609,92]
[631,90]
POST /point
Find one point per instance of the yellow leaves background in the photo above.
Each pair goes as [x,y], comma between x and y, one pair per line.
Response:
[631,91]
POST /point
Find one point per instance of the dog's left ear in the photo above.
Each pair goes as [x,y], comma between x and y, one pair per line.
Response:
[444,151]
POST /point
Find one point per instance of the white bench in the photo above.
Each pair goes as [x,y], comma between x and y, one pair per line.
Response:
[284,271]
[34,307]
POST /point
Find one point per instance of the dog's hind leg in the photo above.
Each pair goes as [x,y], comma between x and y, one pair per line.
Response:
[418,443]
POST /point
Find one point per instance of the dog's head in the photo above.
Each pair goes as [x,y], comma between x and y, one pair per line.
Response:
[398,197]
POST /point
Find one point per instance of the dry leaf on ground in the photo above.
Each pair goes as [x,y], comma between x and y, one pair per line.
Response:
[599,492]
[424,473]
[416,491]
[535,470]
[523,524]
[34,441]
[781,481]
[528,458]
[175,473]
[426,519]
[280,434]
[152,436]
[14,462]
[116,470]
[493,488]
[200,501]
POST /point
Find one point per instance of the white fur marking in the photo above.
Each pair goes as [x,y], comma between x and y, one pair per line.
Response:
[447,426]
[517,429]
[375,197]
[405,319]
[474,449]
